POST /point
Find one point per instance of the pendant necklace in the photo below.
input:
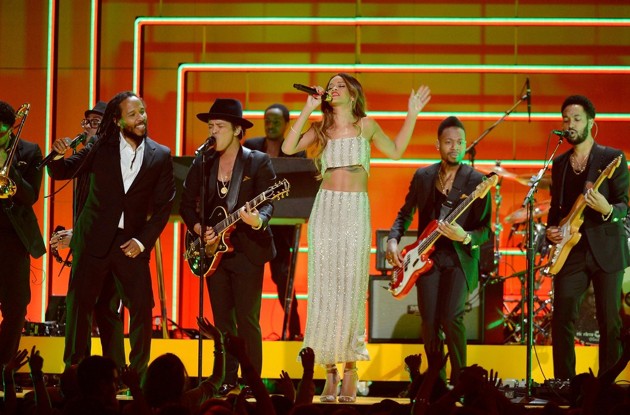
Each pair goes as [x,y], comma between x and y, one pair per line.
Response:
[442,184]
[225,185]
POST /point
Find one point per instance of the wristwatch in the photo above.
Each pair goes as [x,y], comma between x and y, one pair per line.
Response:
[467,239]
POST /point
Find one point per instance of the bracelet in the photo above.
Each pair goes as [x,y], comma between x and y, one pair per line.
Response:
[606,217]
[218,351]
[260,224]
[299,134]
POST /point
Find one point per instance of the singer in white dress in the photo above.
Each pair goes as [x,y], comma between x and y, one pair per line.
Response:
[339,232]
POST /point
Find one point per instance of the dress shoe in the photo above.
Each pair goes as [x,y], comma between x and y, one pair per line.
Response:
[247,392]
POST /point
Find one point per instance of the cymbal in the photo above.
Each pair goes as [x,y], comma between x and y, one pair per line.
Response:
[520,215]
[526,180]
[498,170]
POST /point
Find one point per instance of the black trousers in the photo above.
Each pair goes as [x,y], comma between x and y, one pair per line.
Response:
[15,292]
[442,294]
[132,279]
[283,237]
[235,291]
[569,287]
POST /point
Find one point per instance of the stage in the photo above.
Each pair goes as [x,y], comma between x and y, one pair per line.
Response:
[386,362]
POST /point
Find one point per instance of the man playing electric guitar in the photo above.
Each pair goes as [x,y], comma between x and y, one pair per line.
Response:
[443,290]
[601,254]
[234,176]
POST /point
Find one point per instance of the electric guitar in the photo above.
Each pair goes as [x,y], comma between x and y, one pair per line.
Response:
[570,225]
[416,257]
[223,226]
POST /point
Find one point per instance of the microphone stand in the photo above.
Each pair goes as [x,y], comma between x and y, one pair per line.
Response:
[202,255]
[471,148]
[528,202]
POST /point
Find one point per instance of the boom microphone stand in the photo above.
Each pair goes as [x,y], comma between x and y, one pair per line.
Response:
[528,202]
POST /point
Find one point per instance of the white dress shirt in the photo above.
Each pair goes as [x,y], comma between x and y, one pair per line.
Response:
[130,163]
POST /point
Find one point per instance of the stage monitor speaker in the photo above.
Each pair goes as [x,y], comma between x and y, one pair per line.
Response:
[381,247]
[398,321]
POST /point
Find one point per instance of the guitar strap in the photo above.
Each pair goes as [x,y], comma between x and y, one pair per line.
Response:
[237,177]
[457,190]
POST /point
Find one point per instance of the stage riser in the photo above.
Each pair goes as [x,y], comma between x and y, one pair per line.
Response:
[386,363]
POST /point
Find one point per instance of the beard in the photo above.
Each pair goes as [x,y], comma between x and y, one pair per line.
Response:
[129,132]
[579,138]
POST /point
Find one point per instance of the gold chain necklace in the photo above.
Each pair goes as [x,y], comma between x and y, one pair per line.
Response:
[578,166]
[442,184]
[225,185]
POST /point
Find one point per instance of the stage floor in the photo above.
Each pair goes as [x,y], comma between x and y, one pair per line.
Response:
[386,362]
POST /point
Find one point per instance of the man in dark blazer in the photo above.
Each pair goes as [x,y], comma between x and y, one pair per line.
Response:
[276,125]
[443,290]
[107,308]
[601,254]
[234,176]
[128,204]
[20,237]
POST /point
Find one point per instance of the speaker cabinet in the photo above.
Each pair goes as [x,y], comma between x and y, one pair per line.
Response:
[398,321]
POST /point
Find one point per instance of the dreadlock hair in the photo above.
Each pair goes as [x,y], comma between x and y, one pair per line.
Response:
[358,110]
[108,127]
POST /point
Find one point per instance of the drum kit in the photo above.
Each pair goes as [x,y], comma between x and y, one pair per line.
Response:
[514,319]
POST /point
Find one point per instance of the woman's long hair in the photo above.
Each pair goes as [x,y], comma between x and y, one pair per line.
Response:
[321,127]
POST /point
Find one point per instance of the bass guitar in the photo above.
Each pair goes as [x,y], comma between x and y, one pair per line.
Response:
[416,257]
[570,225]
[223,226]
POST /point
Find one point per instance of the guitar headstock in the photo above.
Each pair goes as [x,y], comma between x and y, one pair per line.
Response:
[278,191]
[610,169]
[490,180]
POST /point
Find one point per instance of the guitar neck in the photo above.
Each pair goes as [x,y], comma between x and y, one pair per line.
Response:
[452,217]
[234,217]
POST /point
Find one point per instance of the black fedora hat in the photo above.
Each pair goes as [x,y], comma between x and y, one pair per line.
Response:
[99,109]
[226,109]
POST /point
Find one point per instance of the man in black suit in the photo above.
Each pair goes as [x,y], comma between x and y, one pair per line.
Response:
[443,290]
[128,203]
[234,176]
[276,125]
[601,254]
[106,310]
[20,235]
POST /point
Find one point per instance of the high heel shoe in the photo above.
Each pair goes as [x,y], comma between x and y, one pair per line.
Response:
[329,394]
[349,385]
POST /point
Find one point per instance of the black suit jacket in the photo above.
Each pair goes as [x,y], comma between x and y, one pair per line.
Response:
[147,203]
[19,208]
[252,175]
[607,239]
[475,220]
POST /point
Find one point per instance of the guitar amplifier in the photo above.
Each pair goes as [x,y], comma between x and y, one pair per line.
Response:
[391,320]
[381,247]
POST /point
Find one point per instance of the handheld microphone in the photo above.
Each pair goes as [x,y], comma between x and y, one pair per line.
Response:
[312,91]
[564,133]
[529,100]
[207,145]
[53,155]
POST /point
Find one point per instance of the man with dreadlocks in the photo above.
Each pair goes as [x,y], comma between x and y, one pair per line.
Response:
[128,202]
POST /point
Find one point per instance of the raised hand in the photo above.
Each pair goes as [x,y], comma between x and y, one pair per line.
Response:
[413,362]
[307,357]
[17,361]
[35,361]
[208,330]
[286,386]
[419,98]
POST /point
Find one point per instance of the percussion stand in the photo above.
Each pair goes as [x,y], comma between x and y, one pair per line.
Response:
[528,203]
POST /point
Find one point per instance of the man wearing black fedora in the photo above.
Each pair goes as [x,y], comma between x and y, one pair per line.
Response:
[106,311]
[235,176]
